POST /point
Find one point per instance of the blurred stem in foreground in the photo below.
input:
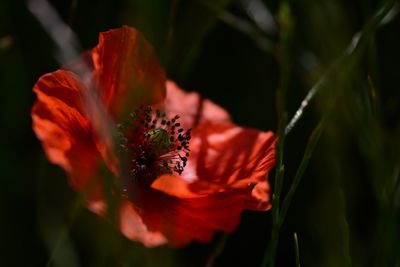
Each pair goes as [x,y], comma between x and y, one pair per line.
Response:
[349,59]
[67,49]
[219,247]
[296,249]
[285,21]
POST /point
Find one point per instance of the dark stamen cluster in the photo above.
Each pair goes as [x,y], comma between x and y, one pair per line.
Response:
[154,144]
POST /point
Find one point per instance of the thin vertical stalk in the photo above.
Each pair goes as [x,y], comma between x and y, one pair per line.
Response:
[350,58]
[312,142]
[219,247]
[296,249]
[286,36]
[343,224]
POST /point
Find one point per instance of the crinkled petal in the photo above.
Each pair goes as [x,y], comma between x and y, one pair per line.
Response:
[224,158]
[192,108]
[182,221]
[132,227]
[60,123]
[130,222]
[128,71]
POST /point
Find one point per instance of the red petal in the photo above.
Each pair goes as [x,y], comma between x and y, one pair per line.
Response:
[128,70]
[131,224]
[226,173]
[60,123]
[224,158]
[192,107]
[132,227]
[182,221]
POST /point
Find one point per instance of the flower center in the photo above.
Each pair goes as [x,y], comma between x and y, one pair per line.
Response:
[153,144]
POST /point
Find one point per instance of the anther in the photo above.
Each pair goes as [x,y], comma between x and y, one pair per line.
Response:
[155,144]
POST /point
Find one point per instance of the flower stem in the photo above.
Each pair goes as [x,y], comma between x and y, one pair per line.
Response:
[349,58]
[217,250]
[312,142]
[286,36]
[296,249]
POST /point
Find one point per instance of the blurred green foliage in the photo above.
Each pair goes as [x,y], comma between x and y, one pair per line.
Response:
[346,210]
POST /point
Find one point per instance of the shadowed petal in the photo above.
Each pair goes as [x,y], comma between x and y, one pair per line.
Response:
[132,227]
[130,222]
[185,220]
[192,107]
[224,158]
[128,71]
[60,123]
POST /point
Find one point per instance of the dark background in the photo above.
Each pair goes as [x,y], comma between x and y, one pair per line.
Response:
[346,209]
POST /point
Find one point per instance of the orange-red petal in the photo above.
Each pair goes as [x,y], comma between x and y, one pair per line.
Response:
[226,173]
[182,221]
[192,108]
[59,121]
[133,227]
[130,222]
[128,71]
[224,158]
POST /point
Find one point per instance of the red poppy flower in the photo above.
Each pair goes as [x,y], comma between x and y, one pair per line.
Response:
[185,170]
